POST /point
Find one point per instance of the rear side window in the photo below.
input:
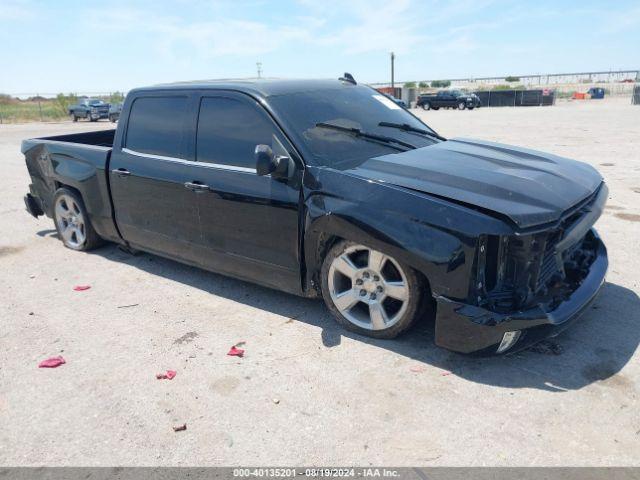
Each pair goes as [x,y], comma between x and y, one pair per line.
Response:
[156,125]
[229,130]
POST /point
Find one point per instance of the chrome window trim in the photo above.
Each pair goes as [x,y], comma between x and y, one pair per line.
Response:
[217,166]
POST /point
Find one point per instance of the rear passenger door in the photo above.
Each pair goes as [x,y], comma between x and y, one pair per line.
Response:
[251,220]
[147,175]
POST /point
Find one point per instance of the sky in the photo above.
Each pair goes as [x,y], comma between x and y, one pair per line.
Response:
[103,46]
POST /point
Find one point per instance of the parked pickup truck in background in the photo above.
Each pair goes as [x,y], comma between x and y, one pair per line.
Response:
[92,109]
[328,188]
[448,99]
[114,112]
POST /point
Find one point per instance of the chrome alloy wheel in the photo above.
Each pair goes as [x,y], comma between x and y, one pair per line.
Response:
[368,288]
[70,220]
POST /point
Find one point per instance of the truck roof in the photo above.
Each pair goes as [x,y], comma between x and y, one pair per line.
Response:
[264,87]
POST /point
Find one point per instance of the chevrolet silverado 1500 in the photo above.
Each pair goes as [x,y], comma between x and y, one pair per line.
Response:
[327,188]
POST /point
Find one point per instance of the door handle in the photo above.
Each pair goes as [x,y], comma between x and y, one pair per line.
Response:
[121,172]
[196,186]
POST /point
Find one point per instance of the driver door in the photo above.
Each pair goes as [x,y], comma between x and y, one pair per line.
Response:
[249,224]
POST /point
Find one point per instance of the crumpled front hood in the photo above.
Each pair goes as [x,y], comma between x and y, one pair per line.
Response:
[529,187]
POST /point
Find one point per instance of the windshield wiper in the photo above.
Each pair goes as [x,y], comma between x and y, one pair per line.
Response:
[389,141]
[408,128]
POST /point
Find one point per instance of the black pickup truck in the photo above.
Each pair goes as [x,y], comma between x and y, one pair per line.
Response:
[448,99]
[91,108]
[327,188]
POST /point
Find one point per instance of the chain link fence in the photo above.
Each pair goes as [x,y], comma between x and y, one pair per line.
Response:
[635,99]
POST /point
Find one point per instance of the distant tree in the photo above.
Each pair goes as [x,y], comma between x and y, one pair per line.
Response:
[5,99]
[423,84]
[63,101]
[116,97]
[410,85]
[511,79]
[441,83]
[508,87]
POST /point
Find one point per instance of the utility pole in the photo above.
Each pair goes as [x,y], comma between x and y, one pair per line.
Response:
[259,67]
[393,58]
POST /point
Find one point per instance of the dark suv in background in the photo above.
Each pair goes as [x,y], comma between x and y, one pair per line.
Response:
[114,112]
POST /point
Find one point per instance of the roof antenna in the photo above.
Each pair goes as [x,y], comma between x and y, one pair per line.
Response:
[347,77]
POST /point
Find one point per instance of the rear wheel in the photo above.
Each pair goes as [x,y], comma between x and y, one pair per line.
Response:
[435,108]
[426,106]
[369,292]
[72,222]
[462,106]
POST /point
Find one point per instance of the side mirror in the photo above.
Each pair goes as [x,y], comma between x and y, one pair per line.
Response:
[267,162]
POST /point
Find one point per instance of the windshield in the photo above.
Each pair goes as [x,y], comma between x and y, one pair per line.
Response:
[352,107]
[95,102]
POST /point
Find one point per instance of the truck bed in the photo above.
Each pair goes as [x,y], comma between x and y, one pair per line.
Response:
[99,138]
[79,161]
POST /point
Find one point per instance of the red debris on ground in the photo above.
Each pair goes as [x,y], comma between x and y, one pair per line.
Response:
[166,376]
[418,368]
[52,362]
[80,288]
[444,374]
[235,352]
[180,428]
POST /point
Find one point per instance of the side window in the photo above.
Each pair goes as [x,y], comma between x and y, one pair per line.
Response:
[156,125]
[229,130]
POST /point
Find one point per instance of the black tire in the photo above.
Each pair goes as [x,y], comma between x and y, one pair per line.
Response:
[112,118]
[426,106]
[73,117]
[408,318]
[435,108]
[471,108]
[462,106]
[92,239]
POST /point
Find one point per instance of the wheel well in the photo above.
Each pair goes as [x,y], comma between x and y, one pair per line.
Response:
[59,185]
[323,245]
[327,241]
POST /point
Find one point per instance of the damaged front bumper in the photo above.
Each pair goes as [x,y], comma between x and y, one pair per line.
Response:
[468,328]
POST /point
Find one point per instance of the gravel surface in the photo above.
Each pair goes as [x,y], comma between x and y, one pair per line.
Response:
[307,392]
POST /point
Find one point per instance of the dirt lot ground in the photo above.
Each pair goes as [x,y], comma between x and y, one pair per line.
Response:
[307,392]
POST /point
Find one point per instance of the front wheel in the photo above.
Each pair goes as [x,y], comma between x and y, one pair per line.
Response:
[426,106]
[462,106]
[73,117]
[369,292]
[72,222]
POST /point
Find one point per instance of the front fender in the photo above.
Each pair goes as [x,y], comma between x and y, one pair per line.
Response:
[444,257]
